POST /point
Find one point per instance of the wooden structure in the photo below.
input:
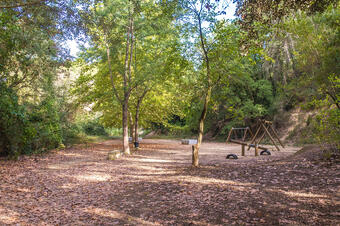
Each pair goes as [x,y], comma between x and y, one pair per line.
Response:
[266,128]
[263,128]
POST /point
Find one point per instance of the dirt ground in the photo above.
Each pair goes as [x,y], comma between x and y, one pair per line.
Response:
[156,185]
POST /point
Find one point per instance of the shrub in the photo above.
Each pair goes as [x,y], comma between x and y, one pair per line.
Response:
[93,127]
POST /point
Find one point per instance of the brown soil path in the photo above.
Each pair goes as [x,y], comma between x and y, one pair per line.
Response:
[157,186]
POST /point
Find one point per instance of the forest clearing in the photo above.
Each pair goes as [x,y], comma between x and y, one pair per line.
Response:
[169,112]
[156,186]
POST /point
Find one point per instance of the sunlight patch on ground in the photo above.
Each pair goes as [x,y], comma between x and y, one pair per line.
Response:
[152,175]
[114,214]
[153,160]
[73,155]
[68,186]
[302,194]
[58,167]
[24,190]
[94,177]
[296,194]
[152,168]
[205,180]
[8,216]
[192,179]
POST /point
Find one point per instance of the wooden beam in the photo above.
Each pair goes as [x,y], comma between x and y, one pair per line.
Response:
[246,144]
[254,138]
[270,136]
[277,137]
[229,134]
[245,134]
[256,149]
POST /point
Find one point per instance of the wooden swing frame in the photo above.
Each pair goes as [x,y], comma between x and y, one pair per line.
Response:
[264,127]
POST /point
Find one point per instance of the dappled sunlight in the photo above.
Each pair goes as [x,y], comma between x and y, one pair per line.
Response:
[303,195]
[191,180]
[102,151]
[73,154]
[159,187]
[58,167]
[152,168]
[68,186]
[93,177]
[73,164]
[24,190]
[297,194]
[153,160]
[210,181]
[8,216]
[118,215]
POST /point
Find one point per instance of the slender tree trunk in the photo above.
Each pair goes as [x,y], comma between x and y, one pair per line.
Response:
[137,120]
[139,103]
[131,126]
[126,147]
[126,90]
[136,123]
[195,157]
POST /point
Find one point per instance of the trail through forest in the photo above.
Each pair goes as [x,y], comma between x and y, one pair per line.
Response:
[157,186]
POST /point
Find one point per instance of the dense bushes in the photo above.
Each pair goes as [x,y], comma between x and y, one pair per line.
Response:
[93,127]
[30,128]
[14,132]
[26,128]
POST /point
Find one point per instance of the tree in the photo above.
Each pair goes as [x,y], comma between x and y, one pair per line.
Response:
[143,62]
[266,12]
[31,52]
[199,16]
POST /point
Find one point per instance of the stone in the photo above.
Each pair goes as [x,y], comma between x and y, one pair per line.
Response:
[189,141]
[115,154]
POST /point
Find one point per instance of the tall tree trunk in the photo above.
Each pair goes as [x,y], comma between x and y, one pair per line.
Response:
[126,147]
[136,123]
[127,83]
[131,126]
[195,157]
[139,102]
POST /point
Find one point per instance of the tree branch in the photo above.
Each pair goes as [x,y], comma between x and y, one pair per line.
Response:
[111,75]
[22,4]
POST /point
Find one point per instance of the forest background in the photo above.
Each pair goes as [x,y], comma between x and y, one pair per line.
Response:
[163,66]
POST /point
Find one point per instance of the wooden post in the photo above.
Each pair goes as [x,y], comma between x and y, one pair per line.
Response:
[277,136]
[256,149]
[261,138]
[254,138]
[270,136]
[229,134]
[243,149]
[245,134]
[194,155]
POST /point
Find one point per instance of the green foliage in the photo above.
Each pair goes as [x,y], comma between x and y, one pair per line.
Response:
[15,135]
[44,118]
[326,124]
[27,128]
[93,127]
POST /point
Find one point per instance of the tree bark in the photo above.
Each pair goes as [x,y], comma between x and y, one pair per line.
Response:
[195,156]
[195,159]
[131,126]
[126,148]
[139,102]
[136,124]
[126,87]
